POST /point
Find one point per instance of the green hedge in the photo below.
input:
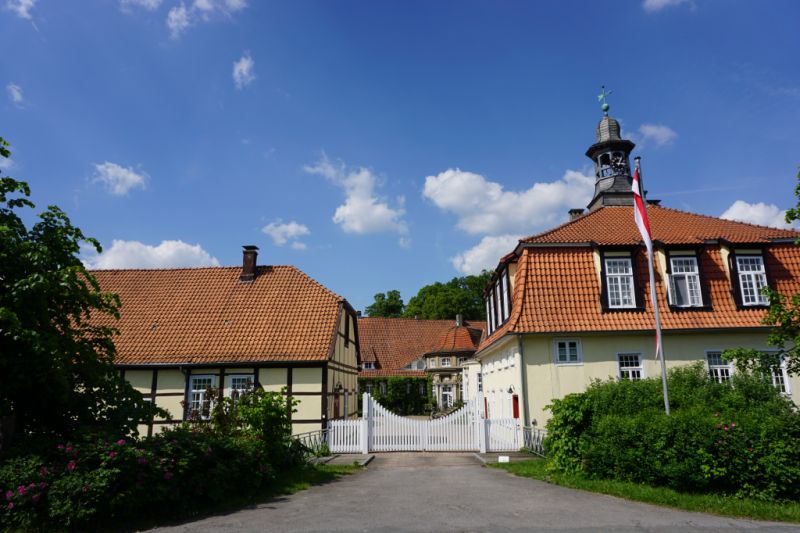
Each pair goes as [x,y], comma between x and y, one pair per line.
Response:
[740,438]
[402,394]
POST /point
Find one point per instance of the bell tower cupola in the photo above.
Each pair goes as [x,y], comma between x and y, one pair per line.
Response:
[611,156]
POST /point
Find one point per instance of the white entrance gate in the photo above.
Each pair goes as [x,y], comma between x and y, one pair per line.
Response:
[467,429]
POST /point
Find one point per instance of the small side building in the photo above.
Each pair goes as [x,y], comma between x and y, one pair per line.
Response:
[407,347]
[183,332]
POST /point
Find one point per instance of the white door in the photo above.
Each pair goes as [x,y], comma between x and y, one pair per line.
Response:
[447,396]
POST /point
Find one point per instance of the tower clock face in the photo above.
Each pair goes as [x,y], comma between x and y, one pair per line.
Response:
[618,164]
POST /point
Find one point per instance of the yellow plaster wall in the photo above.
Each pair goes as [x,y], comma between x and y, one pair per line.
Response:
[171,380]
[308,407]
[307,379]
[172,404]
[303,428]
[272,379]
[141,380]
[546,380]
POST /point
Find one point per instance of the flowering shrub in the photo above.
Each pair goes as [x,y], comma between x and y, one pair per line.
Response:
[177,472]
[741,438]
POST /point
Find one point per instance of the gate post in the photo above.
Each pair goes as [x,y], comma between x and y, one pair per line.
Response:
[480,421]
[366,415]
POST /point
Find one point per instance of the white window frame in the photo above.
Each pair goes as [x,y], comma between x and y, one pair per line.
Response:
[566,342]
[368,387]
[444,362]
[498,296]
[506,297]
[368,365]
[722,372]
[621,280]
[757,279]
[382,388]
[493,324]
[622,370]
[689,279]
[489,327]
[197,396]
[462,360]
[229,385]
[780,377]
[447,391]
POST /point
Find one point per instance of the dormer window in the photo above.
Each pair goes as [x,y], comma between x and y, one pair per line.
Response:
[684,282]
[368,365]
[619,282]
[752,279]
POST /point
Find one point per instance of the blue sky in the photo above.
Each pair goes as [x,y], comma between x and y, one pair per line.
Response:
[386,145]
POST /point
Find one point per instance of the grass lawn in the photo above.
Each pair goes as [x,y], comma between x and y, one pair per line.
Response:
[706,503]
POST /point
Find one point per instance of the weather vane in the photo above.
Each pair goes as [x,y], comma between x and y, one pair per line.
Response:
[602,98]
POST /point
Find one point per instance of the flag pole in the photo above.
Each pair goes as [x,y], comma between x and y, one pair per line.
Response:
[653,296]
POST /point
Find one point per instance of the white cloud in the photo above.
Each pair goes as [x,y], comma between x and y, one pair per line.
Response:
[484,208]
[760,213]
[283,233]
[15,94]
[181,17]
[178,21]
[149,5]
[117,179]
[362,211]
[485,254]
[658,133]
[652,6]
[168,254]
[243,74]
[21,7]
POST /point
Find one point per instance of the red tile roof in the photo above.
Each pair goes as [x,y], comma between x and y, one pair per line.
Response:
[393,343]
[557,288]
[206,315]
[614,225]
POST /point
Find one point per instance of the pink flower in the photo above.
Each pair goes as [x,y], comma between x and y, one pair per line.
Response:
[35,498]
[10,505]
[750,450]
[71,466]
[725,428]
[31,485]
[733,424]
[142,461]
[9,495]
[44,471]
[42,485]
[69,449]
[60,446]
[121,442]
[167,475]
[21,490]
[112,454]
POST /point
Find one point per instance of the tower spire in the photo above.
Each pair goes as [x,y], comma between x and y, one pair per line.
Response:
[610,154]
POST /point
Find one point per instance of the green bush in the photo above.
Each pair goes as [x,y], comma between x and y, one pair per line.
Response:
[178,472]
[402,394]
[740,438]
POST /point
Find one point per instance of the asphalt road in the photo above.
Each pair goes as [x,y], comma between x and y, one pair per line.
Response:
[453,492]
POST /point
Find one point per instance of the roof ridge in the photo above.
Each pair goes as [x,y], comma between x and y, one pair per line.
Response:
[565,224]
[176,269]
[702,215]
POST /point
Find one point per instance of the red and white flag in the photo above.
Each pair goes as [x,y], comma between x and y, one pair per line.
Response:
[640,217]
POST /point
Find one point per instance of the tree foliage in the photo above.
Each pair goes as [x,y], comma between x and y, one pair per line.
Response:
[56,365]
[388,304]
[443,301]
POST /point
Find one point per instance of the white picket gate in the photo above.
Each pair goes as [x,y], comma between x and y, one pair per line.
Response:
[380,430]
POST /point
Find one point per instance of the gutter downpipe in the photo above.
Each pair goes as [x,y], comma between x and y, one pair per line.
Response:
[523,382]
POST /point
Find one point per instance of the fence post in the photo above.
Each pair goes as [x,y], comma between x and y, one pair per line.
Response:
[365,420]
[480,421]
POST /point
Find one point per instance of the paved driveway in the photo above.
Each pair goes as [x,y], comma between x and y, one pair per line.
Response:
[452,492]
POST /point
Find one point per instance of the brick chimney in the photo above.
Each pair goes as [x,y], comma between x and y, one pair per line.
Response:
[575,213]
[249,256]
